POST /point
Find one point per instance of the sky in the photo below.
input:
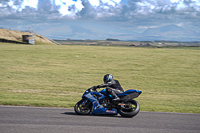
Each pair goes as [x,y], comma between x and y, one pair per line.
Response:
[97,19]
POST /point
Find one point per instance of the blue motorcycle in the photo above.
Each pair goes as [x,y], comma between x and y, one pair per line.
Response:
[101,103]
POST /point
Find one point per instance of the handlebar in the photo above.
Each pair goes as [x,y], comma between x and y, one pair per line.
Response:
[93,88]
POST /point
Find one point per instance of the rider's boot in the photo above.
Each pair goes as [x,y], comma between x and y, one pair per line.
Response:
[116,98]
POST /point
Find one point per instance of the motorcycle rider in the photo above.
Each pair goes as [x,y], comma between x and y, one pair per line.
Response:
[113,87]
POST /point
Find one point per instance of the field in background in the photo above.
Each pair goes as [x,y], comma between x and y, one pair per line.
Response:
[111,42]
[56,76]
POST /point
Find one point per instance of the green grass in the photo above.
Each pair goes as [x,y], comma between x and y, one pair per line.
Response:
[56,76]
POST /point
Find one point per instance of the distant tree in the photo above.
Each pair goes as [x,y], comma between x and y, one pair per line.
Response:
[110,39]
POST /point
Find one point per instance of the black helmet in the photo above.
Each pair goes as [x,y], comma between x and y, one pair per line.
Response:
[107,78]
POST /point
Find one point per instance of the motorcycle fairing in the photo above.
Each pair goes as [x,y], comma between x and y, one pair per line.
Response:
[104,111]
[94,101]
[104,92]
[133,93]
[130,94]
[90,97]
[97,108]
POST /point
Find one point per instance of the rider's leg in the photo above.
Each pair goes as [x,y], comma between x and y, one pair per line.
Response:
[113,93]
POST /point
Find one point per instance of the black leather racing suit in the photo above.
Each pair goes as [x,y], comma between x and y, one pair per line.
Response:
[113,87]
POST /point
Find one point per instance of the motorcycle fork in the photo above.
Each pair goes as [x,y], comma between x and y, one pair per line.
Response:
[86,103]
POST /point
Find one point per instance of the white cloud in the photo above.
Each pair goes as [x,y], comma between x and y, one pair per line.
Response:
[79,5]
[141,13]
[94,2]
[175,1]
[30,3]
[72,7]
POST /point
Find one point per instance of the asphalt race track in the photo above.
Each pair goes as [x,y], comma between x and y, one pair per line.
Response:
[56,120]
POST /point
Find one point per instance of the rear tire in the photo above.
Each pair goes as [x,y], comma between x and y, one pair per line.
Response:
[130,110]
[83,107]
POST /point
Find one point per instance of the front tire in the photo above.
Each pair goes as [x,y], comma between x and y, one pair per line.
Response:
[130,110]
[83,107]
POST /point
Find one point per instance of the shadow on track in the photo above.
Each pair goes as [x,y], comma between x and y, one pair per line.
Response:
[69,113]
[73,113]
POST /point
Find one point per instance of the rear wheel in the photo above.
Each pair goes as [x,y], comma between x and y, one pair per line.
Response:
[131,109]
[83,107]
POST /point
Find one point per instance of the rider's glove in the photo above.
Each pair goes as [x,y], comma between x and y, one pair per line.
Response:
[94,87]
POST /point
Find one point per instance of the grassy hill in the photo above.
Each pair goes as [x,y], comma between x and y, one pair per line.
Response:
[57,75]
[12,35]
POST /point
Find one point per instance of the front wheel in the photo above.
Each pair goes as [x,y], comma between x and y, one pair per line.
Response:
[131,109]
[83,107]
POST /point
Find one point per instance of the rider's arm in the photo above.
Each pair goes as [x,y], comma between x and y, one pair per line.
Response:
[104,85]
[100,86]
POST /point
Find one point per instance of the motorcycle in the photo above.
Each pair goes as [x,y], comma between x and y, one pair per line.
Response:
[101,103]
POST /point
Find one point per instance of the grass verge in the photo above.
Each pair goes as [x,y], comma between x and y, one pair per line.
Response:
[56,76]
